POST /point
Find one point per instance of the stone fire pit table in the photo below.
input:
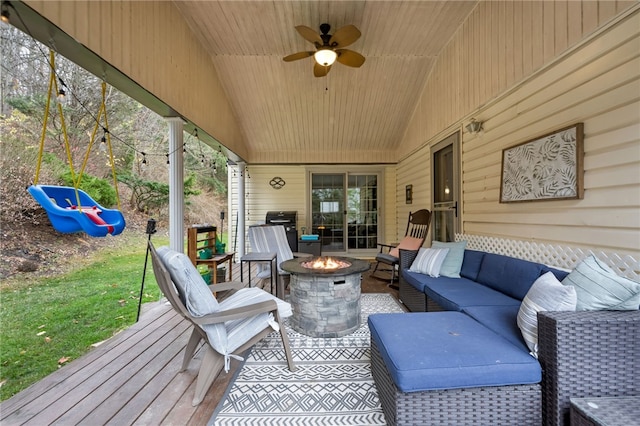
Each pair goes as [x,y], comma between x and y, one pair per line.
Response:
[325,302]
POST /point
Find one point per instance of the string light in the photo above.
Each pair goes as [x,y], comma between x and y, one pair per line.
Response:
[6,16]
[62,94]
[103,145]
[62,98]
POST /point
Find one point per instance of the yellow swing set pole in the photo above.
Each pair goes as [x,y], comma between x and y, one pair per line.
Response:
[102,112]
[106,125]
[52,79]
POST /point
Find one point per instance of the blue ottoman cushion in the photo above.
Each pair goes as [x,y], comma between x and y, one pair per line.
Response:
[448,350]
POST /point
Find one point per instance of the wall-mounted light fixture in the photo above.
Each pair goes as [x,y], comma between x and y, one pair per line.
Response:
[474,126]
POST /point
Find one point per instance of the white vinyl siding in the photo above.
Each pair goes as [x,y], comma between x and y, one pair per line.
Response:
[597,83]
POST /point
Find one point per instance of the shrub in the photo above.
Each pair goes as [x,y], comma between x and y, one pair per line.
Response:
[100,190]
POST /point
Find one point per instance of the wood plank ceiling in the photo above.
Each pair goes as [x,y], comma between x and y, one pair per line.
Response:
[355,115]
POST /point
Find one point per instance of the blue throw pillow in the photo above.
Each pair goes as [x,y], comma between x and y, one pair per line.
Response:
[453,262]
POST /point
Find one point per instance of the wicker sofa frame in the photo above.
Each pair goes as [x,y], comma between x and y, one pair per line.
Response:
[586,353]
[493,405]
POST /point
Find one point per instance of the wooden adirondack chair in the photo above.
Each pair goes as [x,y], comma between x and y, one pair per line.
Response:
[232,326]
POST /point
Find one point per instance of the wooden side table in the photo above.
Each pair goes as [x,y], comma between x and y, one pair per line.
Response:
[218,259]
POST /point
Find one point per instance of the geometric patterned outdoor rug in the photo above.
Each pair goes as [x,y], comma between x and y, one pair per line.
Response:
[331,386]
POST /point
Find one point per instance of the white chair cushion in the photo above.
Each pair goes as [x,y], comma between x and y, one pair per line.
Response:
[194,292]
[241,331]
[228,336]
[270,238]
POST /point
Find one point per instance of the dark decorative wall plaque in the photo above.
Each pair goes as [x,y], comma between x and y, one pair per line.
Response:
[277,182]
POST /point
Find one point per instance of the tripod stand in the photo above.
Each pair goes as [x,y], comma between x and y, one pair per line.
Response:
[151,229]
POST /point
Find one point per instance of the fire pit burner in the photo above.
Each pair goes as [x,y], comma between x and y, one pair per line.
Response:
[326,263]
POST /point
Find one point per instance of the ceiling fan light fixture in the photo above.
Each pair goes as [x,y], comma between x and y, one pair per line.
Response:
[325,57]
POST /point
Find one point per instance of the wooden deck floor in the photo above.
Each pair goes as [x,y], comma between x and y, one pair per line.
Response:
[131,379]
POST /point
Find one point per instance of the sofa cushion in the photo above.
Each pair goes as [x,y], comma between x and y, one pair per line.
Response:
[429,261]
[453,294]
[453,262]
[508,275]
[500,319]
[448,350]
[599,287]
[559,273]
[546,294]
[471,264]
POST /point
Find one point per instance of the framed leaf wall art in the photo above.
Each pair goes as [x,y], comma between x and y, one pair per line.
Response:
[549,167]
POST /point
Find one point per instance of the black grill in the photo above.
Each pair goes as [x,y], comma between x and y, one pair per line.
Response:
[289,221]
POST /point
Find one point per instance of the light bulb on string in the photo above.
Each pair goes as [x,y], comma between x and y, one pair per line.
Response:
[6,16]
[103,144]
[62,96]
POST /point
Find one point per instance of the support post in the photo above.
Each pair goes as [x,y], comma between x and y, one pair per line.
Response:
[241,209]
[176,184]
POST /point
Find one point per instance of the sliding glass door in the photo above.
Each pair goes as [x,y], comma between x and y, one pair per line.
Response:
[344,211]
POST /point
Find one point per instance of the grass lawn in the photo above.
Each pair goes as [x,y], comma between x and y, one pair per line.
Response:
[48,322]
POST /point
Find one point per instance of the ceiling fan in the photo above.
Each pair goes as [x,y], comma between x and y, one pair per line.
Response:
[329,48]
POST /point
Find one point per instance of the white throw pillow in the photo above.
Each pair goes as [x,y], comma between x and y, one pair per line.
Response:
[546,294]
[429,261]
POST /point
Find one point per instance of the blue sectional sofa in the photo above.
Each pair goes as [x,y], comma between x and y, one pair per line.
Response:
[460,358]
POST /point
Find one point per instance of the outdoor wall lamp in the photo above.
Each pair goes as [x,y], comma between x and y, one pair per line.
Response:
[474,126]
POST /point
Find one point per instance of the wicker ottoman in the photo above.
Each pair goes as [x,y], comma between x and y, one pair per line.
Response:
[510,404]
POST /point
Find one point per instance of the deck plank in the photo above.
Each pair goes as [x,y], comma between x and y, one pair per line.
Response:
[98,406]
[65,373]
[88,381]
[132,378]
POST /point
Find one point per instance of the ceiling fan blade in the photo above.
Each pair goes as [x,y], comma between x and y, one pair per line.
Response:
[344,36]
[309,34]
[350,58]
[320,70]
[296,56]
